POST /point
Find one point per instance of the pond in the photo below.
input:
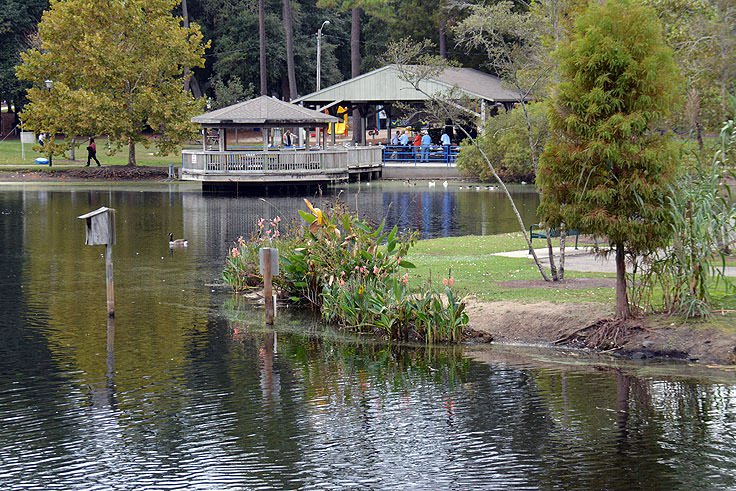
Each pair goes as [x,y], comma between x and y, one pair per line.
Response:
[188,390]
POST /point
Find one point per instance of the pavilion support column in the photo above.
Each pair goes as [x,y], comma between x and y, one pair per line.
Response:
[332,132]
[363,123]
[264,134]
[482,116]
[306,137]
[204,140]
[387,108]
[221,138]
[324,138]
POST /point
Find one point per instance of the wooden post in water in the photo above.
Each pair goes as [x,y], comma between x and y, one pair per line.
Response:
[108,278]
[100,230]
[269,267]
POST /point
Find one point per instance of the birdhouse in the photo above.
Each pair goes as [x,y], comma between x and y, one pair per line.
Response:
[100,226]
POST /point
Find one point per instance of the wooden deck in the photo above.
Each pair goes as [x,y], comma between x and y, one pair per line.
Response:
[288,167]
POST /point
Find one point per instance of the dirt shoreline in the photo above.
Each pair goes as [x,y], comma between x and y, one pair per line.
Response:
[563,325]
[83,173]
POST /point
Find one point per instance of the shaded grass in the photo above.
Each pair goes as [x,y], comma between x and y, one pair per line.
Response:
[11,155]
[476,271]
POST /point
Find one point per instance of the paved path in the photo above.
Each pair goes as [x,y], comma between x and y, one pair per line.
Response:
[583,260]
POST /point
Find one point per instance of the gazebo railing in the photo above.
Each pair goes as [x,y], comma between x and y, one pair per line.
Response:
[210,162]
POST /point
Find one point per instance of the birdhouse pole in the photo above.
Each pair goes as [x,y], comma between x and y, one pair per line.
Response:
[108,278]
[100,230]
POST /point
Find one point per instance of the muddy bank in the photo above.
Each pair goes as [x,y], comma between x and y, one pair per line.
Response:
[93,173]
[567,325]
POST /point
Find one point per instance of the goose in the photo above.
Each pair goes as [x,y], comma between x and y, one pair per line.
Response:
[444,184]
[430,184]
[177,242]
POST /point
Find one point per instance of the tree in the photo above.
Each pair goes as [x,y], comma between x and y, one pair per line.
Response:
[18,21]
[415,66]
[608,169]
[289,31]
[517,43]
[262,45]
[116,67]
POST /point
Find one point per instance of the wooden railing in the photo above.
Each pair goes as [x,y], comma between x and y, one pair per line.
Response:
[286,161]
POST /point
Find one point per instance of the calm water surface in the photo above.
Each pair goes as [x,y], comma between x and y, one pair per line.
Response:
[187,390]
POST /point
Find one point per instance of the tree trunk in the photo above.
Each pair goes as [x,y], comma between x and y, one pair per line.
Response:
[622,300]
[443,38]
[185,16]
[72,148]
[262,44]
[131,153]
[355,68]
[563,237]
[551,254]
[288,27]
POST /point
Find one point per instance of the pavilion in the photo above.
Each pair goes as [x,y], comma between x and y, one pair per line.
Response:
[384,87]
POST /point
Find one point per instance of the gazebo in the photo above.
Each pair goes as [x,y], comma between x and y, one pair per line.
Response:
[272,162]
[266,113]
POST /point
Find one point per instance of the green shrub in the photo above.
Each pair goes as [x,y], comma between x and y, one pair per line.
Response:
[387,306]
[351,272]
[505,141]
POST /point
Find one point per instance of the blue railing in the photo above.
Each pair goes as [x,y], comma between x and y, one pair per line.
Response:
[438,154]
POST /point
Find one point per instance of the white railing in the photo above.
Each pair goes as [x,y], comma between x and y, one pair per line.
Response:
[286,161]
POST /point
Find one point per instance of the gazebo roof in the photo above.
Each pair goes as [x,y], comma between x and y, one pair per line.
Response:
[386,85]
[264,111]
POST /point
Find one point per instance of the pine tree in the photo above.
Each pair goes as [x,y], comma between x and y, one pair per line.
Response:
[608,169]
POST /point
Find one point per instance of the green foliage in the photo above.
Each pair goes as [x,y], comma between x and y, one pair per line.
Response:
[350,271]
[369,303]
[607,169]
[505,142]
[242,270]
[232,92]
[116,68]
[703,220]
[18,20]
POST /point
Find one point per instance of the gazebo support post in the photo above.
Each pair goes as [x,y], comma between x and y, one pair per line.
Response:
[221,132]
[332,132]
[204,140]
[264,134]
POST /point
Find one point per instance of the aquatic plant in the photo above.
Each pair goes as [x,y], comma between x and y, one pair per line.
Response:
[352,272]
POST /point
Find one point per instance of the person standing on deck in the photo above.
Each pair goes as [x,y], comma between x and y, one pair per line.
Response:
[445,140]
[426,142]
[92,152]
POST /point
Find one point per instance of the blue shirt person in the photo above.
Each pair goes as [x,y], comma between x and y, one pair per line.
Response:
[426,142]
[445,139]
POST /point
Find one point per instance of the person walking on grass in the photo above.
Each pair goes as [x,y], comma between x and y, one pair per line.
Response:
[92,152]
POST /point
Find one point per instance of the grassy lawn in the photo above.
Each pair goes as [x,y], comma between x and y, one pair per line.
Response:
[477,272]
[10,155]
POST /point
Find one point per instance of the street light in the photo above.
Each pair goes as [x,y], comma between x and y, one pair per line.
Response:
[319,52]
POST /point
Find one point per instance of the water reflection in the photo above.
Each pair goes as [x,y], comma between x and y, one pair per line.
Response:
[188,389]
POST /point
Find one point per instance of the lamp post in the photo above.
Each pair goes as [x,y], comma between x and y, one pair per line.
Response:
[319,53]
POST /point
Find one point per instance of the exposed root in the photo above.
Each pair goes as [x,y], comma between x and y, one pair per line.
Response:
[603,334]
